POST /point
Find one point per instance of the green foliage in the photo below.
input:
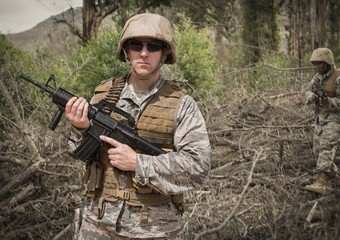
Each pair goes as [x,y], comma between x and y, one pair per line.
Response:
[96,62]
[269,76]
[11,59]
[196,59]
[262,78]
[12,62]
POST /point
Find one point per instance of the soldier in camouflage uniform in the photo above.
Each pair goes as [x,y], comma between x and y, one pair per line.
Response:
[131,195]
[324,92]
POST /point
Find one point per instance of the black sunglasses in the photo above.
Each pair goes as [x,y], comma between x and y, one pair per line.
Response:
[151,46]
[317,62]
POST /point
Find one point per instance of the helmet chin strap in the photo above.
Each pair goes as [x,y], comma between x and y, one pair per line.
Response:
[135,74]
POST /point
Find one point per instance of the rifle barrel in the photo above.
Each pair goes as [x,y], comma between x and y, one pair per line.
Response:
[46,88]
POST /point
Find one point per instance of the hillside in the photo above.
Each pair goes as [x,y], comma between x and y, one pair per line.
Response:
[56,37]
[51,35]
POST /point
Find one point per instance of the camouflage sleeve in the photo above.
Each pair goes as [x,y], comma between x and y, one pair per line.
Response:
[308,91]
[185,168]
[334,103]
[74,138]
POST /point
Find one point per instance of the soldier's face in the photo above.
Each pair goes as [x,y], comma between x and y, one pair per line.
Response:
[320,67]
[145,55]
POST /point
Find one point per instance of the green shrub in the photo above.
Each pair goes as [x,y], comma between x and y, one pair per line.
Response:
[96,62]
[196,60]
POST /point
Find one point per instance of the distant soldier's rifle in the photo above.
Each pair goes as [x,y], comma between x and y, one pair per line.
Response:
[102,123]
[316,88]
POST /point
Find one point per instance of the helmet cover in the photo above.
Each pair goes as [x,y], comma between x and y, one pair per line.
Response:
[322,55]
[149,25]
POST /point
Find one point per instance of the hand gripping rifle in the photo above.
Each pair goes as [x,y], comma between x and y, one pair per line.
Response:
[316,88]
[102,123]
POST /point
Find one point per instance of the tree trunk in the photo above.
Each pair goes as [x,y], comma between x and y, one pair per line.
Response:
[94,12]
[89,14]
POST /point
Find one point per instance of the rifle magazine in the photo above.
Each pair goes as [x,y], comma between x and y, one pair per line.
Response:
[87,148]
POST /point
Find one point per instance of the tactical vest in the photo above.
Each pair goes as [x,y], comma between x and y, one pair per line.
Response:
[328,86]
[156,124]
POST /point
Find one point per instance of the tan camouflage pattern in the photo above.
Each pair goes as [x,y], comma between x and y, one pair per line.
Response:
[323,55]
[170,174]
[119,222]
[325,145]
[327,129]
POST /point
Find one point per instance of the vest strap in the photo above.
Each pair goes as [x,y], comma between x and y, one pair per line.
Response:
[134,198]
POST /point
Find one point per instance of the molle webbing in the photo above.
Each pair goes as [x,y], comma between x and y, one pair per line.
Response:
[133,198]
[329,85]
[157,121]
[111,189]
[92,181]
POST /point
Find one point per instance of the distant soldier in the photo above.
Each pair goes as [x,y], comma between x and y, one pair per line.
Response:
[324,92]
[131,195]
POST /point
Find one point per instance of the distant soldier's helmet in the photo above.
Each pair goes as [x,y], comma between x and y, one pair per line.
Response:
[148,25]
[322,55]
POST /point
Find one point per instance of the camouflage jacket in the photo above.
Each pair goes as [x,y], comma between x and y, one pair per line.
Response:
[331,111]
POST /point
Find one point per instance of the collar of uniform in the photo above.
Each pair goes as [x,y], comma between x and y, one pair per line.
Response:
[153,89]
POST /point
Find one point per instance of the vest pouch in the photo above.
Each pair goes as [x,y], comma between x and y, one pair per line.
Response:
[329,85]
[92,179]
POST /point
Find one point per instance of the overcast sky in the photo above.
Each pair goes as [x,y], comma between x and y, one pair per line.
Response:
[20,15]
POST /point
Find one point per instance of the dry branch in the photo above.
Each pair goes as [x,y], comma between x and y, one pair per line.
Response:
[18,119]
[241,199]
[238,203]
[24,193]
[311,213]
[22,177]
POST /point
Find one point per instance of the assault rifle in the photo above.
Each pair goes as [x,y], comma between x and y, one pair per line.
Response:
[316,88]
[102,123]
[318,91]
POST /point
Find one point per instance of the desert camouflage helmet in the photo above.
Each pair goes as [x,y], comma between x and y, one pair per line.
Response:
[322,55]
[148,25]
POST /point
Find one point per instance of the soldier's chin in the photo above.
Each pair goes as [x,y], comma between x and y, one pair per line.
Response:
[144,74]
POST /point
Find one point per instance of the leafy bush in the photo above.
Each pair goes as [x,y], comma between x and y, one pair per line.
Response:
[196,62]
[196,59]
[96,62]
[13,62]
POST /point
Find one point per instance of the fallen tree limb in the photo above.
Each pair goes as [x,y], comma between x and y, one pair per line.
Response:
[24,193]
[22,177]
[240,198]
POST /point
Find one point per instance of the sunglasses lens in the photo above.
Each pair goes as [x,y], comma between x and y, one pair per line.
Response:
[154,46]
[135,45]
[151,46]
